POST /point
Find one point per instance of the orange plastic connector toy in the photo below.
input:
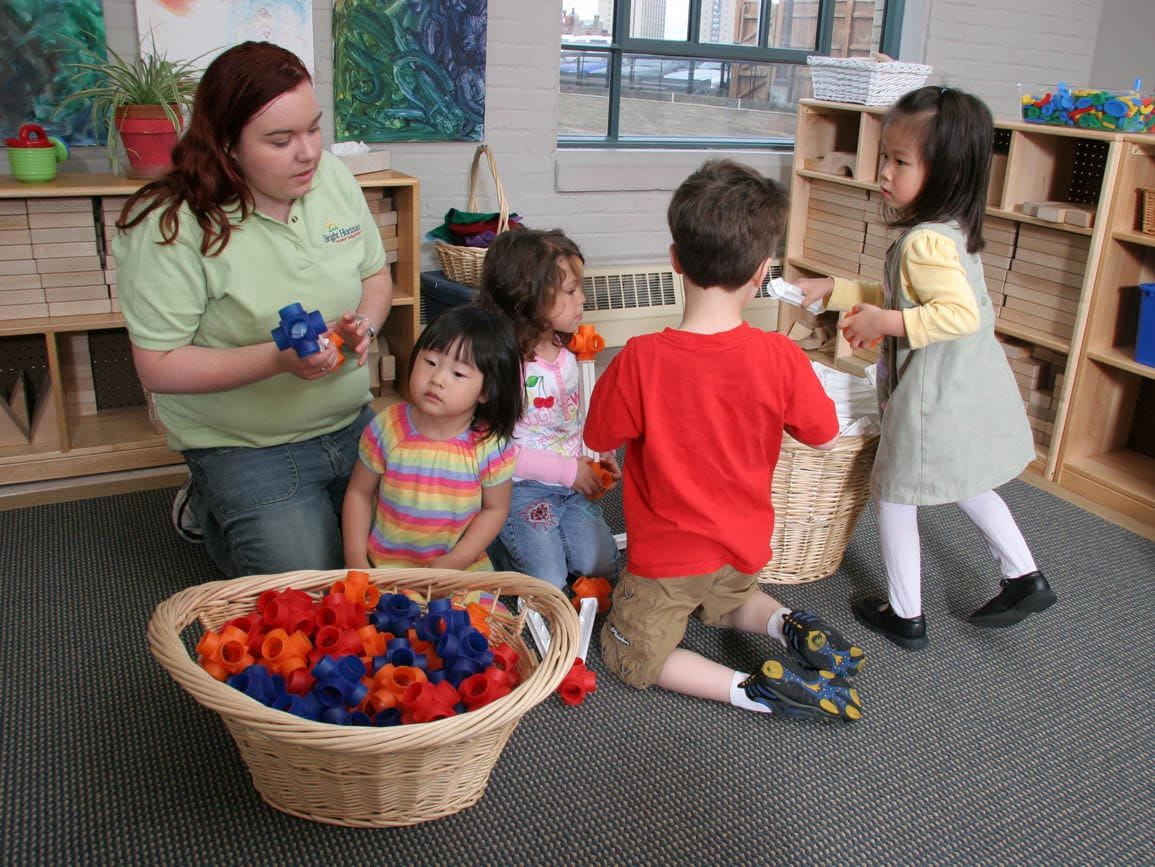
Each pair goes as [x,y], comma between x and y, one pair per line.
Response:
[597,588]
[357,589]
[586,342]
[604,476]
[225,652]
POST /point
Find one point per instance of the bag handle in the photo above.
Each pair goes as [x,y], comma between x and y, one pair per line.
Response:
[502,202]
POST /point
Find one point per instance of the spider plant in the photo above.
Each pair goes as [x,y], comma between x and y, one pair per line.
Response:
[112,83]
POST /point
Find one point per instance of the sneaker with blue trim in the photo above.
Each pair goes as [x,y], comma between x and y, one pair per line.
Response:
[184,520]
[790,690]
[818,645]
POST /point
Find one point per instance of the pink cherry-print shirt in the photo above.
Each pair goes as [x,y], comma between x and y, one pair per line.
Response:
[552,421]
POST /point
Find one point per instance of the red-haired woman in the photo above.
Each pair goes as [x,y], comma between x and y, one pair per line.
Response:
[254,216]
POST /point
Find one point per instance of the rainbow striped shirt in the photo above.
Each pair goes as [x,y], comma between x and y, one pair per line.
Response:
[430,490]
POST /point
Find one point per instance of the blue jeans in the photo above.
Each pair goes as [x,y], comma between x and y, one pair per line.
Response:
[275,509]
[554,532]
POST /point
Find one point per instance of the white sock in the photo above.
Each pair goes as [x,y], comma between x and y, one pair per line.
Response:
[774,624]
[738,697]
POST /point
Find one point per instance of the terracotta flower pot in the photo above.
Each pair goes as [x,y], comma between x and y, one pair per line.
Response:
[148,136]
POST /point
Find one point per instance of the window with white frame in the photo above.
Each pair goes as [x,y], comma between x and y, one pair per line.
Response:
[648,73]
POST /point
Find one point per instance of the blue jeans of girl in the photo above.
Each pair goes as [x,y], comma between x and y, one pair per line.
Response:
[554,532]
[278,508]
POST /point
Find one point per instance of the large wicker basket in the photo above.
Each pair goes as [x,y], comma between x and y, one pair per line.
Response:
[818,496]
[362,776]
[464,264]
[864,81]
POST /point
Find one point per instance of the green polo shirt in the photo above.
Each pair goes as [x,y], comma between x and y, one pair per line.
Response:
[173,296]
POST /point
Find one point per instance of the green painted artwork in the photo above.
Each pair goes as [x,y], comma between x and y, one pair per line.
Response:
[409,70]
[38,40]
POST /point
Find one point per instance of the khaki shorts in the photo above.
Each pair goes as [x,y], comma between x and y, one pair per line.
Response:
[648,617]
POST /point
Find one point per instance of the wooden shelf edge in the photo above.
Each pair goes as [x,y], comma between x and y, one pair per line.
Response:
[838,179]
[1133,237]
[1104,479]
[1122,357]
[65,489]
[1002,326]
[1035,221]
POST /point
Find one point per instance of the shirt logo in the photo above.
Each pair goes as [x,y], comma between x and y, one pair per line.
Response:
[335,234]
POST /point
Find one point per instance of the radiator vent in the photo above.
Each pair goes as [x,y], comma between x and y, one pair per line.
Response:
[629,289]
[628,300]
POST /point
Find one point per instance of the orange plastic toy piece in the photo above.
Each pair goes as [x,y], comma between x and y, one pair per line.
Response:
[577,684]
[604,476]
[398,678]
[225,652]
[598,588]
[285,653]
[357,589]
[586,343]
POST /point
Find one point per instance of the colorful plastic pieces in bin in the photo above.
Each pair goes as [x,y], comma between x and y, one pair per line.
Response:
[1089,108]
[359,657]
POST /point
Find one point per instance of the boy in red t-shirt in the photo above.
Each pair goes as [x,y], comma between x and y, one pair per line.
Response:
[702,409]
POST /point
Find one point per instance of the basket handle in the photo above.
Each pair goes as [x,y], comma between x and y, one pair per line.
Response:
[502,202]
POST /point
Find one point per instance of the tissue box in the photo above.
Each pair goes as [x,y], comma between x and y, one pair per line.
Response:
[1129,111]
[359,164]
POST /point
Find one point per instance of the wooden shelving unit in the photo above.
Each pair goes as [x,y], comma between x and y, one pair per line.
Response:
[123,438]
[1066,291]
[1108,453]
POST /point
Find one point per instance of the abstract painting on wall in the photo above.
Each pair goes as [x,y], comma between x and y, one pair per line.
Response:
[38,41]
[201,29]
[409,70]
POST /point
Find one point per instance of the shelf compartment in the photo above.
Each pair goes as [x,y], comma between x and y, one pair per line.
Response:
[1042,167]
[1123,357]
[1123,480]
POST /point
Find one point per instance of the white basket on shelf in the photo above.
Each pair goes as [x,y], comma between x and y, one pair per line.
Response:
[863,80]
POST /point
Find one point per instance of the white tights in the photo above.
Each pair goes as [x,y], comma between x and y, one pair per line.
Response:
[901,550]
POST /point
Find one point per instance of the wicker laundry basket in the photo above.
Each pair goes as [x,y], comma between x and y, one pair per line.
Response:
[363,776]
[817,496]
[464,264]
[863,80]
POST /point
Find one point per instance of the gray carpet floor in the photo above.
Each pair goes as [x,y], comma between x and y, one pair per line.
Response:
[1032,745]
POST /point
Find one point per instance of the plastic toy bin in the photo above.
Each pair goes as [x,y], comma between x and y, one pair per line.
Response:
[359,775]
[1129,111]
[1145,340]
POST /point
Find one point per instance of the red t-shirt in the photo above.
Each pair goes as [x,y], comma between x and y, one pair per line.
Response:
[702,417]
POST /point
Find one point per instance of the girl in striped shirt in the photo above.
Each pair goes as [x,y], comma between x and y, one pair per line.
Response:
[432,486]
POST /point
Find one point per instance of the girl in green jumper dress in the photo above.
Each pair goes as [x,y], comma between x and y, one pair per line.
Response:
[953,425]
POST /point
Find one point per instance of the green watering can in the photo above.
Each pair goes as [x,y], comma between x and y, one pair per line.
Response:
[33,154]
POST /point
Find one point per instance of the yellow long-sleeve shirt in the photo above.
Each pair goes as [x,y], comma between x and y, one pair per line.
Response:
[933,279]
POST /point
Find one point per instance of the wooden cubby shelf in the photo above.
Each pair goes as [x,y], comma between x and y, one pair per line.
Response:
[51,231]
[1064,293]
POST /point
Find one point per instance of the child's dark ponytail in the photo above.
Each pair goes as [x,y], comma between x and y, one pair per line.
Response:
[957,133]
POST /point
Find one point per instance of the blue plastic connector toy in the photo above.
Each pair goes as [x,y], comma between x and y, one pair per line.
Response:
[299,330]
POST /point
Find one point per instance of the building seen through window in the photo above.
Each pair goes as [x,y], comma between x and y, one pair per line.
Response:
[645,71]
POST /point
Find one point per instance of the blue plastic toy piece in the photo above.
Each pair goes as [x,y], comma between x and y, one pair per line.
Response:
[299,330]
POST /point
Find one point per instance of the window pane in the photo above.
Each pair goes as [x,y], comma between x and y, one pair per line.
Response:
[857,27]
[794,24]
[585,20]
[585,93]
[703,98]
[730,22]
[660,19]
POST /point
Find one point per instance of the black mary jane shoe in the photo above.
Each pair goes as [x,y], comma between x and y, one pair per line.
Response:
[877,616]
[1020,597]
